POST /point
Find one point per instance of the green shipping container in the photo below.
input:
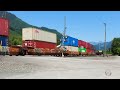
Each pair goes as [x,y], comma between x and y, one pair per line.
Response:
[82,50]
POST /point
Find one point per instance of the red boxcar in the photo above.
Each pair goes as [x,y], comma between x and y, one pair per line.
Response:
[82,43]
[90,51]
[85,44]
[4,27]
[88,46]
[79,43]
[38,44]
[92,47]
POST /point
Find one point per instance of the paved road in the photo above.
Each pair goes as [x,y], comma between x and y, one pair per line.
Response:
[47,67]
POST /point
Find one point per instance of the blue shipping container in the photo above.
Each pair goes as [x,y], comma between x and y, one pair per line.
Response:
[3,41]
[70,41]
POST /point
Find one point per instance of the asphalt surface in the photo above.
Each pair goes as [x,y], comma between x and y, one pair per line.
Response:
[47,67]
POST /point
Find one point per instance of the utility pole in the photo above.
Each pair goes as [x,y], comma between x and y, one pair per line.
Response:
[105,41]
[64,33]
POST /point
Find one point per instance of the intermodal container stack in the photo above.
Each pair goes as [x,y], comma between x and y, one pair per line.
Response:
[39,39]
[85,48]
[82,45]
[71,45]
[4,34]
[90,49]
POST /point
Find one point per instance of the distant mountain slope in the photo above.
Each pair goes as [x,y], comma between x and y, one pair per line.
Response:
[16,25]
[94,43]
[101,45]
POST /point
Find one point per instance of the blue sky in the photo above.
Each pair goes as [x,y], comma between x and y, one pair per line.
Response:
[84,25]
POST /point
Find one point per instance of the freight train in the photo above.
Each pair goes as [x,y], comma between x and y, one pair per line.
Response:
[40,42]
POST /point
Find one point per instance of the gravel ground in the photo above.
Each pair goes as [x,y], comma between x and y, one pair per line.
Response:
[47,67]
